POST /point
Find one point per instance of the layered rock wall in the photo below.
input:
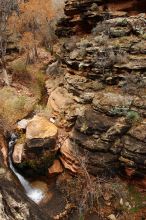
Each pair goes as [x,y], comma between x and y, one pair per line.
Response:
[97,95]
[81,16]
[105,78]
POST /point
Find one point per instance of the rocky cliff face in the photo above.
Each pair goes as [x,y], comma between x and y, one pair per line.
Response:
[95,115]
[101,95]
[82,16]
[97,96]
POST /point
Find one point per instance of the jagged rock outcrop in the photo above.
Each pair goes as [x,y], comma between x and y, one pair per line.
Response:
[83,15]
[104,74]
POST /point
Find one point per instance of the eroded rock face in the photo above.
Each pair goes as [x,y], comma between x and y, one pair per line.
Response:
[63,106]
[82,16]
[60,100]
[3,148]
[105,75]
[107,102]
[68,157]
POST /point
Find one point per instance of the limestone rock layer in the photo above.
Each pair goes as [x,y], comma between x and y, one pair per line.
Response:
[105,76]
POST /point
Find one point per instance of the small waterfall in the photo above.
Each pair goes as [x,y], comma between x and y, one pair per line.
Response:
[33,193]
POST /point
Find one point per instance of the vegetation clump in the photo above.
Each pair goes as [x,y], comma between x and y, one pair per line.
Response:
[14,106]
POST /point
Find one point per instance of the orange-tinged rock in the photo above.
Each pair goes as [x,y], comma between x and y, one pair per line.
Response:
[60,100]
[3,148]
[56,168]
[67,157]
[41,132]
[129,171]
[144,183]
[40,127]
[133,7]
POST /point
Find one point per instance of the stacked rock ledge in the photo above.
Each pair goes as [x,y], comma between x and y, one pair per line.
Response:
[104,76]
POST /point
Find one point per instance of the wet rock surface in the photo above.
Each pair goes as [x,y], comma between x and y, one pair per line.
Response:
[14,204]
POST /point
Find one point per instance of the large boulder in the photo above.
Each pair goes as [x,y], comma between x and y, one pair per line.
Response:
[40,133]
[36,150]
[62,105]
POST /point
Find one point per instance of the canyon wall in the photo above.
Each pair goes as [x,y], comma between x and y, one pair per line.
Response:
[96,92]
[103,87]
[82,16]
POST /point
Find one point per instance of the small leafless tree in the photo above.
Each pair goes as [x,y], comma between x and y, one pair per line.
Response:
[7,8]
[91,186]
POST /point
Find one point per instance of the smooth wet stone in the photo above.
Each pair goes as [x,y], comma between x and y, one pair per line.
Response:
[39,192]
